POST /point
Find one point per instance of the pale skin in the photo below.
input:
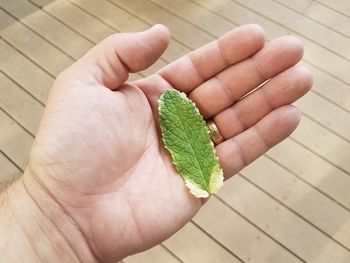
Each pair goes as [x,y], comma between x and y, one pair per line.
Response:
[99,185]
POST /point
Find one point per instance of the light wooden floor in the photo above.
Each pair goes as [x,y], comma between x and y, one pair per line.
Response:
[293,204]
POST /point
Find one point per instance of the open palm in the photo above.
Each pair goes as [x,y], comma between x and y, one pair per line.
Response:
[98,151]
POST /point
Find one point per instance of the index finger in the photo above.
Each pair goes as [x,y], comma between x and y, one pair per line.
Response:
[191,70]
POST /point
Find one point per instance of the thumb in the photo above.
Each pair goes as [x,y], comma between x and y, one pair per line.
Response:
[110,61]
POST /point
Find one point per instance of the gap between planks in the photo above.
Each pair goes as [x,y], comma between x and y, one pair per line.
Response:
[305,14]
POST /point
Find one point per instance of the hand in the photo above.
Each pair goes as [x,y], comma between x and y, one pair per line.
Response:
[98,153]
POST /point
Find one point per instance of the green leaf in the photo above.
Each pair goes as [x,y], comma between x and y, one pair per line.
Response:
[187,138]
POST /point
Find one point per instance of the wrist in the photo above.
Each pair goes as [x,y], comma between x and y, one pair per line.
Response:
[34,227]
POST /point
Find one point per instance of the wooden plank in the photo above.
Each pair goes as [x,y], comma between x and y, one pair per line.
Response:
[304,200]
[239,236]
[196,15]
[8,170]
[297,5]
[28,42]
[237,14]
[112,14]
[326,113]
[52,30]
[313,170]
[301,25]
[79,42]
[28,75]
[326,60]
[18,8]
[71,19]
[19,104]
[190,244]
[158,254]
[329,17]
[316,137]
[79,20]
[281,223]
[333,89]
[26,79]
[115,16]
[5,20]
[122,21]
[342,6]
[314,54]
[42,3]
[58,34]
[14,140]
[82,23]
[182,244]
[27,45]
[190,35]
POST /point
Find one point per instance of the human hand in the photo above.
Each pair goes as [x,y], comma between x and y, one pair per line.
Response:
[98,156]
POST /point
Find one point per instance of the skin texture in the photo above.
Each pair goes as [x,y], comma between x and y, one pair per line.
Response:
[98,159]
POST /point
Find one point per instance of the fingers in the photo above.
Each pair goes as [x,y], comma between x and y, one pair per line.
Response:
[237,152]
[110,61]
[281,90]
[193,69]
[231,84]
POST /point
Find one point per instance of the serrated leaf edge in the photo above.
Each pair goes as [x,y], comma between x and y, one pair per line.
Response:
[216,178]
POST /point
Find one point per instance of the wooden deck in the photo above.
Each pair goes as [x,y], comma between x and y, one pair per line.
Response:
[293,204]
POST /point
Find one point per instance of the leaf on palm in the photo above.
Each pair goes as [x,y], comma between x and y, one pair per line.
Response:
[187,138]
